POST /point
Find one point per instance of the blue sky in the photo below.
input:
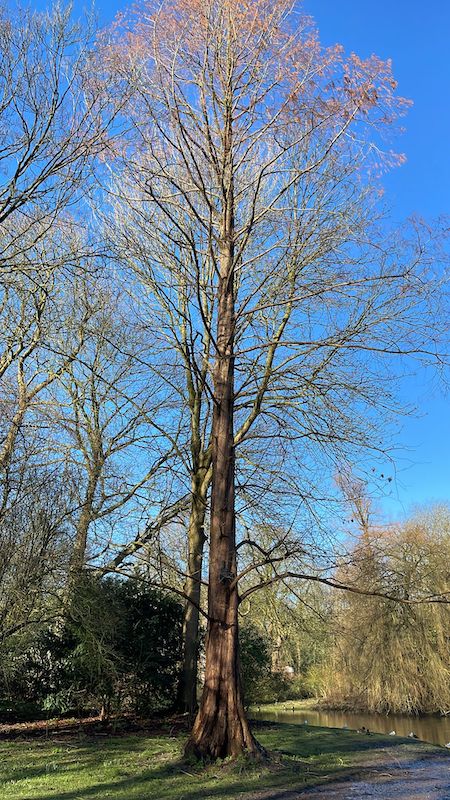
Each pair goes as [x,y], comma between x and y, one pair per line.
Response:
[416,36]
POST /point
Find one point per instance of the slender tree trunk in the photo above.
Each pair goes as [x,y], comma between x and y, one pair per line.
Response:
[22,402]
[187,688]
[77,562]
[78,558]
[80,544]
[76,566]
[187,694]
[10,439]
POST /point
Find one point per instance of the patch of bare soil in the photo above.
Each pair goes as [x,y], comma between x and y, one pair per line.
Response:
[91,727]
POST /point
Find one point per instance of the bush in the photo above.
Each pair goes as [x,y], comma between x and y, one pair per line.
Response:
[119,648]
[260,683]
[393,656]
[255,663]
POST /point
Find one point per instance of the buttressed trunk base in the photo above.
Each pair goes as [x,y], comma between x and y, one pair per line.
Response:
[221,728]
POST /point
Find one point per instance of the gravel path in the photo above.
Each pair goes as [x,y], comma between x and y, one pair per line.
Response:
[422,779]
[425,778]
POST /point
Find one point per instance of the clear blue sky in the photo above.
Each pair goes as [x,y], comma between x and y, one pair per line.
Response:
[415,35]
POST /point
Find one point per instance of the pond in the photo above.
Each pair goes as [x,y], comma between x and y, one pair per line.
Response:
[429,728]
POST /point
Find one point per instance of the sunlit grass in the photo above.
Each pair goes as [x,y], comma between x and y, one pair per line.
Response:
[151,767]
[286,705]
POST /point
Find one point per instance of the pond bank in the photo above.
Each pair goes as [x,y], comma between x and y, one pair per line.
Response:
[310,763]
[374,766]
[429,728]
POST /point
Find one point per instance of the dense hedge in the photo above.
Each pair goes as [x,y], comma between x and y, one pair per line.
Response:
[117,649]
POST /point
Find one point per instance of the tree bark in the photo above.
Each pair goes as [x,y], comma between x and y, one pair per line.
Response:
[221,728]
[79,549]
[187,692]
[78,558]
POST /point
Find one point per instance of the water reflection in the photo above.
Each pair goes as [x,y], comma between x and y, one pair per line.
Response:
[428,728]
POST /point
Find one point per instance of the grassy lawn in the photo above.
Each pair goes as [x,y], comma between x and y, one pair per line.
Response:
[147,767]
[298,705]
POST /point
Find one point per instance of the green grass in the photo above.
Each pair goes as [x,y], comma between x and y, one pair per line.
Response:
[299,705]
[151,767]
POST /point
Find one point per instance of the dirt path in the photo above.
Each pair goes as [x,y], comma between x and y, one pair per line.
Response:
[422,779]
[425,778]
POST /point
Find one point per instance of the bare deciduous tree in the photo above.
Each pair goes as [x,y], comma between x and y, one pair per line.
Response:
[247,180]
[34,552]
[39,342]
[53,120]
[109,427]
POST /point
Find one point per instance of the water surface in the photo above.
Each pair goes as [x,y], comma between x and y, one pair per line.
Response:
[432,729]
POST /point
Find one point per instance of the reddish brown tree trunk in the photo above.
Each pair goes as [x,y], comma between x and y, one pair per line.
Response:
[221,728]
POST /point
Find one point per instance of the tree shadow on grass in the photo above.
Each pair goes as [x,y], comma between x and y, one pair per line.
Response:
[301,759]
[62,758]
[185,788]
[306,741]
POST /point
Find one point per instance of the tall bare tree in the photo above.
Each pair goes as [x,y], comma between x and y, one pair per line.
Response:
[111,426]
[171,312]
[53,121]
[38,317]
[249,167]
